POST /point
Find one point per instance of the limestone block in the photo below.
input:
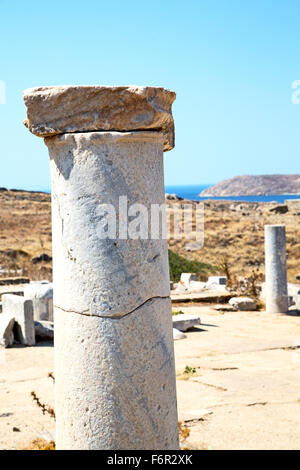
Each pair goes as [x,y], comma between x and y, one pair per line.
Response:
[243,303]
[216,283]
[184,322]
[41,294]
[197,286]
[178,334]
[186,278]
[21,310]
[180,288]
[6,330]
[44,330]
[68,109]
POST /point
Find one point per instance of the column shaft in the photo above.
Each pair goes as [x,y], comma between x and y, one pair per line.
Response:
[114,362]
[276,272]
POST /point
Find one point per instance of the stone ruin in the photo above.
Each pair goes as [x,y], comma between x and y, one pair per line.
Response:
[114,361]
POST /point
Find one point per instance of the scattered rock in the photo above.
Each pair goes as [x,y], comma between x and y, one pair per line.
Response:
[15,429]
[43,257]
[178,334]
[193,246]
[224,308]
[173,197]
[197,286]
[14,281]
[14,254]
[216,283]
[41,294]
[185,322]
[21,310]
[44,330]
[242,303]
[283,209]
[180,288]
[186,278]
[6,330]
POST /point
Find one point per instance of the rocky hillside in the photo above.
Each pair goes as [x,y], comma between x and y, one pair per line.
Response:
[248,185]
[233,230]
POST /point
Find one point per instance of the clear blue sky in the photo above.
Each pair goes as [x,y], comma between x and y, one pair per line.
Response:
[231,63]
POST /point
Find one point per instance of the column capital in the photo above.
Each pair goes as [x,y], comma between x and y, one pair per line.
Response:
[54,110]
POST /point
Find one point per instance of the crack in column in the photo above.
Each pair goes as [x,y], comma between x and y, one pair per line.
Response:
[115,316]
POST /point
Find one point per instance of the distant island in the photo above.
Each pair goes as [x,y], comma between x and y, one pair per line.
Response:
[250,185]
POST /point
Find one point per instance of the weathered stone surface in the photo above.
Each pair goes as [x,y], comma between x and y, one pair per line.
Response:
[243,303]
[193,246]
[115,379]
[205,296]
[197,286]
[41,294]
[216,282]
[178,334]
[21,310]
[68,109]
[114,374]
[105,276]
[44,330]
[276,272]
[186,278]
[114,360]
[6,330]
[180,288]
[184,322]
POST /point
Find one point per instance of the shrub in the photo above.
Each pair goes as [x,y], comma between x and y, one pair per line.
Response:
[179,265]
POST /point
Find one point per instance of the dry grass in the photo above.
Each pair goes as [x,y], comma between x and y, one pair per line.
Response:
[236,230]
[232,229]
[40,444]
[25,220]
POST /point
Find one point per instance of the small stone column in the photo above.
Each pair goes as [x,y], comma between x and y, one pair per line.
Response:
[276,273]
[114,362]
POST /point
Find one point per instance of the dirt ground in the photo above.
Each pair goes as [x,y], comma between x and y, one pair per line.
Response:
[243,393]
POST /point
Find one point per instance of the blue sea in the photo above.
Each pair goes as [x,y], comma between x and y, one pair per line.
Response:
[192,191]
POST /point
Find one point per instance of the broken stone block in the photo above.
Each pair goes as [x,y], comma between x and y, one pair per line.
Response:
[21,310]
[196,286]
[184,322]
[41,294]
[194,246]
[180,288]
[243,303]
[44,330]
[216,283]
[186,278]
[73,109]
[178,334]
[6,330]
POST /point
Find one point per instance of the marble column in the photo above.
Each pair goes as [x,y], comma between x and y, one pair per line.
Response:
[114,361]
[276,272]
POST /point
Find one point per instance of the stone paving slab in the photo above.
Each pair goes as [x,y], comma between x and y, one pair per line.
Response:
[207,296]
[184,322]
